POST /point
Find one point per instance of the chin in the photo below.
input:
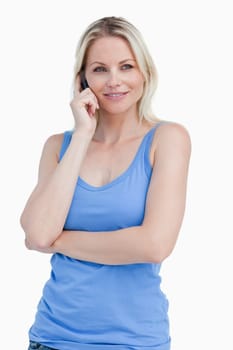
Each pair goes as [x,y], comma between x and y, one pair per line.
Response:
[117,109]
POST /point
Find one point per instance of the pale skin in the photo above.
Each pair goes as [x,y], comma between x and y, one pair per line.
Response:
[99,154]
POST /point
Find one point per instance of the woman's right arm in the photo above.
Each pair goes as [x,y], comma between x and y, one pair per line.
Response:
[46,210]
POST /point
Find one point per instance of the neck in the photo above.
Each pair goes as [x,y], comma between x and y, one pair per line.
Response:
[115,128]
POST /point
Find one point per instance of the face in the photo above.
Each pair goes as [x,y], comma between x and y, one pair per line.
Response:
[113,75]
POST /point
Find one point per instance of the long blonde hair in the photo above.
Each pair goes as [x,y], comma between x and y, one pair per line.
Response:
[119,27]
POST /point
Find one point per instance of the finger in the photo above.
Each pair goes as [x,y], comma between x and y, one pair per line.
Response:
[88,93]
[91,108]
[88,101]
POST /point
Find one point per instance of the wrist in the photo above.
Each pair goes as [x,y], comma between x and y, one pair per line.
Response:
[82,134]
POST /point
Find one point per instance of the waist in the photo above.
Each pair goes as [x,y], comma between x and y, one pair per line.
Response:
[87,302]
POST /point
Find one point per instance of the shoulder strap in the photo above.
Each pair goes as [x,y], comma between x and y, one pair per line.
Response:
[149,140]
[66,141]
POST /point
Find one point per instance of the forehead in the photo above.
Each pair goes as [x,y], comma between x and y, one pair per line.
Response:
[109,48]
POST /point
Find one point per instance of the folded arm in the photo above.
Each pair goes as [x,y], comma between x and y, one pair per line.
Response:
[155,239]
[45,212]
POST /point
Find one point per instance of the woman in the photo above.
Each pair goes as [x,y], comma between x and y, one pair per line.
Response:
[109,203]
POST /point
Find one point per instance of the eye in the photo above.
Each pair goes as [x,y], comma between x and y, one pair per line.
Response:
[99,69]
[127,66]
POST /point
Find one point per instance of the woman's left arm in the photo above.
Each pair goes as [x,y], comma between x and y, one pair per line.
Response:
[155,239]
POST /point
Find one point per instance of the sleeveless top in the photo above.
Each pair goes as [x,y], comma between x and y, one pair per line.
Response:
[91,306]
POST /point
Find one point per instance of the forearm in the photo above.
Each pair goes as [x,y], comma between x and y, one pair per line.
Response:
[126,246]
[45,213]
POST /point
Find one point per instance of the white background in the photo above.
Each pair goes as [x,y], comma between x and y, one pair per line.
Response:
[191,42]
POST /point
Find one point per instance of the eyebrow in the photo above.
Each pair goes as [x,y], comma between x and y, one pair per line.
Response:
[104,64]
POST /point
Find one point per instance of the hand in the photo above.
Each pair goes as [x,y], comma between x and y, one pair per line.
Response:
[84,105]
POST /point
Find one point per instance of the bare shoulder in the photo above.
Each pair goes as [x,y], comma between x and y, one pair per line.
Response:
[53,144]
[169,139]
[50,156]
[54,140]
[172,134]
[172,130]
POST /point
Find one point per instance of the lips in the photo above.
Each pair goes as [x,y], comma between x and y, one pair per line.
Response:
[115,94]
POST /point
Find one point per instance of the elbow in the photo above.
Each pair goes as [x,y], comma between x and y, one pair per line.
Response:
[159,253]
[162,245]
[158,258]
[36,244]
[35,239]
[32,242]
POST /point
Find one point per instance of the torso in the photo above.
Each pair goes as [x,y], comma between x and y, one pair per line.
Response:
[103,163]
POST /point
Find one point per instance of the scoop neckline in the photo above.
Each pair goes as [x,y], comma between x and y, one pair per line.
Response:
[120,177]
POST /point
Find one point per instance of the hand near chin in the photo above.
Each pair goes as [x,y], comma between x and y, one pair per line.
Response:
[84,105]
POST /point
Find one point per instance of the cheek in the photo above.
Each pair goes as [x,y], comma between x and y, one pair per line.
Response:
[95,84]
[137,81]
[139,85]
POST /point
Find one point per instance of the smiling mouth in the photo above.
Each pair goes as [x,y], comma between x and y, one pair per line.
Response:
[116,94]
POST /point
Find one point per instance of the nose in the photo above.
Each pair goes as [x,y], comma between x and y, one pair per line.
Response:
[114,79]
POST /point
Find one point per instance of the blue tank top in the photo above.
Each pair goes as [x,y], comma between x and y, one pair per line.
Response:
[90,306]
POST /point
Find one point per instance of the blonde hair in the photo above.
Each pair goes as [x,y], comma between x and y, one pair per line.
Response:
[119,27]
